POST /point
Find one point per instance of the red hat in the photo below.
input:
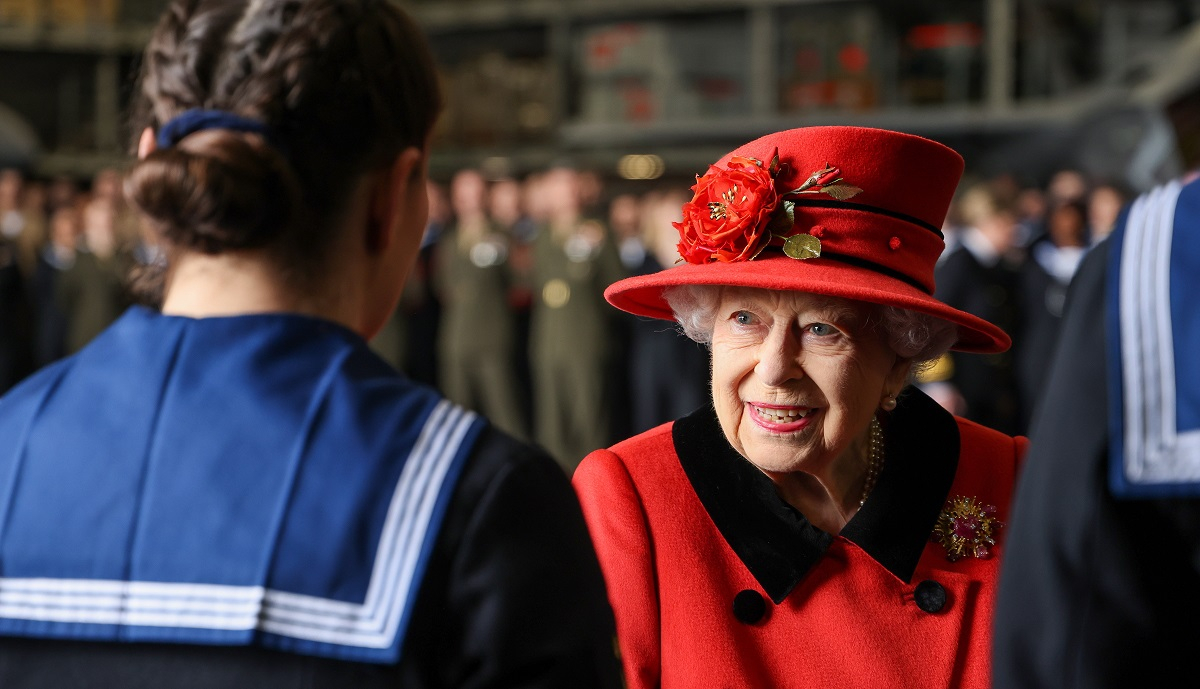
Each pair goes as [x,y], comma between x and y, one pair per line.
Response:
[841,211]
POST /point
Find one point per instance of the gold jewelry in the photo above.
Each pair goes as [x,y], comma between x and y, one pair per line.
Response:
[875,450]
[889,403]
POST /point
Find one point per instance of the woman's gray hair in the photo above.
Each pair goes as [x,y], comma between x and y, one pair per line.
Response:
[911,334]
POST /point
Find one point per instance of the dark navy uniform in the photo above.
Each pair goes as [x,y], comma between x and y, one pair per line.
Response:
[1099,588]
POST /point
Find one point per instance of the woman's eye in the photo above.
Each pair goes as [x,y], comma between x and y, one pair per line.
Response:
[743,318]
[821,329]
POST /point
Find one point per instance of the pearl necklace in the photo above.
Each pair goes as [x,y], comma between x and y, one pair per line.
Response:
[876,464]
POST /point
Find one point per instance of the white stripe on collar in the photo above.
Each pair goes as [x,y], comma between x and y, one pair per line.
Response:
[1154,450]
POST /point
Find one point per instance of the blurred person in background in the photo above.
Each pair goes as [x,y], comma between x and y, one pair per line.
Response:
[233,490]
[535,202]
[106,186]
[506,210]
[54,260]
[12,213]
[392,341]
[477,332]
[1103,208]
[667,369]
[625,215]
[625,220]
[980,278]
[952,228]
[1066,186]
[1031,215]
[16,320]
[1098,589]
[591,192]
[62,191]
[416,322]
[91,290]
[16,326]
[820,523]
[1042,290]
[575,259]
[22,218]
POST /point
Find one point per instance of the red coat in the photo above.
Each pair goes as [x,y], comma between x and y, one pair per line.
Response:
[716,582]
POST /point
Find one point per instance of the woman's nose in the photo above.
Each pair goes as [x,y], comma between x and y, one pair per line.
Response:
[780,357]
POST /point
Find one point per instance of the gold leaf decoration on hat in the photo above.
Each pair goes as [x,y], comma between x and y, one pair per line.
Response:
[827,180]
[841,192]
[802,246]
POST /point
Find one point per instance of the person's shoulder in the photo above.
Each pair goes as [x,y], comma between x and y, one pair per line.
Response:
[646,458]
[497,453]
[978,440]
[644,448]
[978,434]
[28,392]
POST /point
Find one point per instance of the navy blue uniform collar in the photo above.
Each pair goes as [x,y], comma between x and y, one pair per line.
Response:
[778,544]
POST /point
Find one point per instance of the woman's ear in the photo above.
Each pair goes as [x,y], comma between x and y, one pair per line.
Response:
[146,143]
[393,198]
[897,378]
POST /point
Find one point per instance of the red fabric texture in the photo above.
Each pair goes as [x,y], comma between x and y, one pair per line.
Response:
[850,623]
[899,174]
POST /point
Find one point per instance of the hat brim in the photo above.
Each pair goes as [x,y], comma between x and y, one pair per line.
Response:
[642,295]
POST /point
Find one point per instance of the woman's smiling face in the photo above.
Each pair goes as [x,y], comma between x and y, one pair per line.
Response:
[797,377]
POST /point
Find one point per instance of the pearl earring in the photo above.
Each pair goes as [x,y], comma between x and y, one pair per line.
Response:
[889,403]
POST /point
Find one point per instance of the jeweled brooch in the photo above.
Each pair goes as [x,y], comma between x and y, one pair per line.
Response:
[967,528]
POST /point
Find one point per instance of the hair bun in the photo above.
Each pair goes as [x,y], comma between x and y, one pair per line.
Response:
[216,191]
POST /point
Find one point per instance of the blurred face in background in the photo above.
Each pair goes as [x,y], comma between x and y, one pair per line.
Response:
[107,185]
[1001,230]
[1067,185]
[504,202]
[439,209]
[995,220]
[533,198]
[35,199]
[64,228]
[10,189]
[624,216]
[468,190]
[62,192]
[1031,204]
[560,191]
[1068,225]
[662,237]
[98,227]
[1104,206]
[590,186]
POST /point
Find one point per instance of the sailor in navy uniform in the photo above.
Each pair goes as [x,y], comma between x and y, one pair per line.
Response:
[1099,588]
[239,493]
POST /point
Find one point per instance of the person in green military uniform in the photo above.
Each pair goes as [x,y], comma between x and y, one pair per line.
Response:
[476,358]
[570,339]
[91,292]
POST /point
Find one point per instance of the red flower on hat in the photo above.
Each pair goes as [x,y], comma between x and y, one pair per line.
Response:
[727,218]
[737,211]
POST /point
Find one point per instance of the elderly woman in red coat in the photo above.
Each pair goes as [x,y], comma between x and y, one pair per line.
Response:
[821,524]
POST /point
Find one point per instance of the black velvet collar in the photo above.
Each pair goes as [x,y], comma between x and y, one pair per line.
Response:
[777,543]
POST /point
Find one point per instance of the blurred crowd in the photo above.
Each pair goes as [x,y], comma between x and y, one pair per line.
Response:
[504,312]
[1011,253]
[65,254]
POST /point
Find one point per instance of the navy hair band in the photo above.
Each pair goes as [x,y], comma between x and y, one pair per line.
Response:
[197,119]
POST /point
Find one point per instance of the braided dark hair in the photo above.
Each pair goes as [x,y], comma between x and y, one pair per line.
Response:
[344,85]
